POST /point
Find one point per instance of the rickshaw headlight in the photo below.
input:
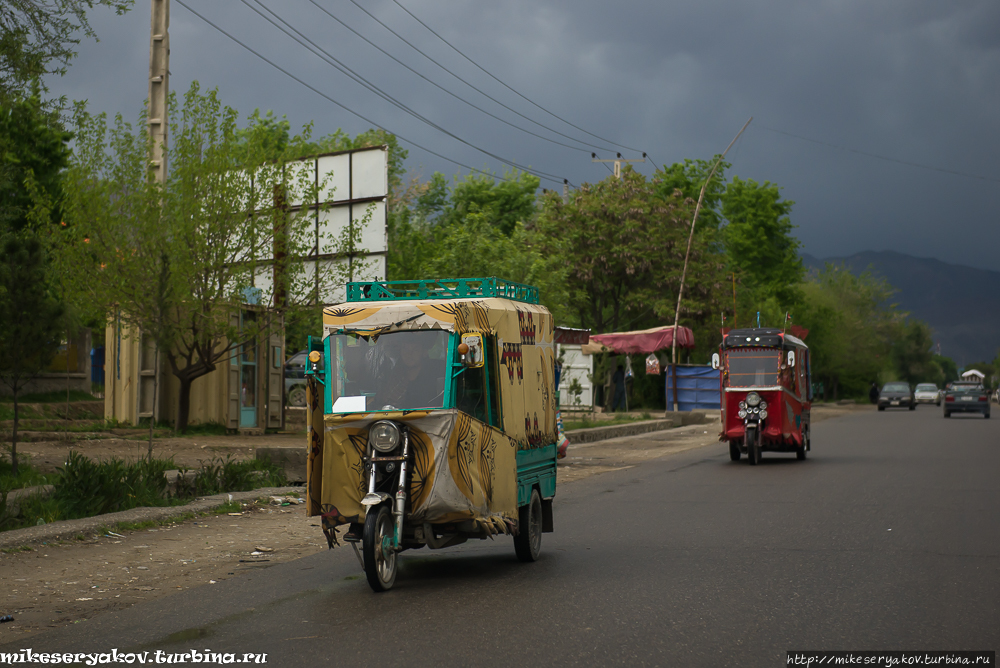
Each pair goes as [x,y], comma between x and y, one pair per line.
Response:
[742,413]
[384,436]
[753,399]
[763,413]
[763,404]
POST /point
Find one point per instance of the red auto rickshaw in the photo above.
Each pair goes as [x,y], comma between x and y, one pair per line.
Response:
[766,392]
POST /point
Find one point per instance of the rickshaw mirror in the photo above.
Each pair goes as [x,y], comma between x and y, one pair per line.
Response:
[791,358]
[474,357]
[715,360]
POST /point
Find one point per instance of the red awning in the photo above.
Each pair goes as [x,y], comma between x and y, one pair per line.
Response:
[644,341]
[570,336]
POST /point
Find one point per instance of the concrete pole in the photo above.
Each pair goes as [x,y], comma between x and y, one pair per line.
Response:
[159,88]
[159,84]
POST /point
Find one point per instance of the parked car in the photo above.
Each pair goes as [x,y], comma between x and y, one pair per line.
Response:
[927,393]
[966,397]
[896,395]
[295,379]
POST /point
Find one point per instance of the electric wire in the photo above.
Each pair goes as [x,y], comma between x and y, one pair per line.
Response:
[339,104]
[385,96]
[442,88]
[881,157]
[488,73]
[478,90]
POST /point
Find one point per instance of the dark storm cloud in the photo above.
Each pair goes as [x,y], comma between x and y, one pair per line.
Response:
[914,81]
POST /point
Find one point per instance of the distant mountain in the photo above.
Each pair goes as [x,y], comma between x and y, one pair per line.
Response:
[961,304]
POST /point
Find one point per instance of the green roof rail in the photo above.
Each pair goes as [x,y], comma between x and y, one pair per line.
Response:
[441,288]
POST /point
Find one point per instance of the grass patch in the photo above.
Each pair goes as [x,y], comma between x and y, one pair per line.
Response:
[119,527]
[587,423]
[27,476]
[15,550]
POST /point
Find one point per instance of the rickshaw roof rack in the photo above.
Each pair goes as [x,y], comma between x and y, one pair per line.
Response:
[441,288]
[764,337]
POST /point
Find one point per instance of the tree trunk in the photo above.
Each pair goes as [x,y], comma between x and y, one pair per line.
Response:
[183,404]
[13,440]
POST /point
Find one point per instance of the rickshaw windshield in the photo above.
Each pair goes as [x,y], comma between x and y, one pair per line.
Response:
[397,371]
[753,367]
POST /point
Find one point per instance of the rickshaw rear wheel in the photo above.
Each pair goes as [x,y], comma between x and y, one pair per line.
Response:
[734,451]
[380,566]
[528,541]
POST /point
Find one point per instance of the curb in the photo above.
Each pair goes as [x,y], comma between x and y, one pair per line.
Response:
[578,436]
[70,528]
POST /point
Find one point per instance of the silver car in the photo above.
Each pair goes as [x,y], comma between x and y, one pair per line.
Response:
[927,393]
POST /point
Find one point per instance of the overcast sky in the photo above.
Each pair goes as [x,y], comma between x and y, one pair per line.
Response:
[831,84]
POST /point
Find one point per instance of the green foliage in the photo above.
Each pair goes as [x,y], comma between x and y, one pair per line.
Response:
[759,243]
[90,487]
[229,475]
[33,148]
[37,37]
[176,257]
[31,317]
[850,325]
[26,476]
[623,244]
[911,354]
[54,397]
[500,203]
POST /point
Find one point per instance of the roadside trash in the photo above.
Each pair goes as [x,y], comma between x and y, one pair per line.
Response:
[230,498]
[143,568]
[116,535]
[40,522]
[260,548]
[6,618]
[253,561]
[256,554]
[235,514]
[85,599]
[211,582]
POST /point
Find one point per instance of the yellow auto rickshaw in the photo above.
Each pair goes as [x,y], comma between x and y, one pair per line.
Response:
[432,418]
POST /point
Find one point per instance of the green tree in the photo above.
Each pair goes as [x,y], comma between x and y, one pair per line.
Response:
[502,202]
[30,316]
[623,243]
[33,146]
[759,243]
[175,260]
[851,326]
[911,353]
[37,37]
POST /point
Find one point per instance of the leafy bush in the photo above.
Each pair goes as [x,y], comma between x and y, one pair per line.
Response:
[90,487]
[228,475]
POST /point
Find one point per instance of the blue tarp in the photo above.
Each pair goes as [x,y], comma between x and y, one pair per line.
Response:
[697,388]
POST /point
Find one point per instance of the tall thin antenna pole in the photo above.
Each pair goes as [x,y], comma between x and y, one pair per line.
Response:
[687,255]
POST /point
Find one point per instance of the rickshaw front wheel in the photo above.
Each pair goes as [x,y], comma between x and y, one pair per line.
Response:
[528,541]
[734,451]
[753,448]
[380,564]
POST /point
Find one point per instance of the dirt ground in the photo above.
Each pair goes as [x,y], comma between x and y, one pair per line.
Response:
[54,584]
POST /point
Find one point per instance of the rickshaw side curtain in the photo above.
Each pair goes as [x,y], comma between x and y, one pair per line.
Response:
[643,341]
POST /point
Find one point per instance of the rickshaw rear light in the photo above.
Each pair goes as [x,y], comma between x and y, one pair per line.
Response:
[763,413]
[763,404]
[743,405]
[742,413]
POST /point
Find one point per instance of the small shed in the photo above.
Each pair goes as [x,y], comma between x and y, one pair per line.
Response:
[972,374]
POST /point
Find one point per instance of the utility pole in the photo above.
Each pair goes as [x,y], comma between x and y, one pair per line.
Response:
[618,162]
[687,256]
[159,87]
[565,191]
[159,79]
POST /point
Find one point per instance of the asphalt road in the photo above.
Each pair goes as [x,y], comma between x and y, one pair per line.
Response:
[886,538]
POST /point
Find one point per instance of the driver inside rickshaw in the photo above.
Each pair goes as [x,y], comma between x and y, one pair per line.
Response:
[412,373]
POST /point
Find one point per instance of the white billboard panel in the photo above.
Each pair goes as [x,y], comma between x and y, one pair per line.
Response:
[352,183]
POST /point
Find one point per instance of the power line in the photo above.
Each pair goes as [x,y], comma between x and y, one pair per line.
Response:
[378,91]
[882,157]
[504,84]
[478,90]
[339,104]
[437,85]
